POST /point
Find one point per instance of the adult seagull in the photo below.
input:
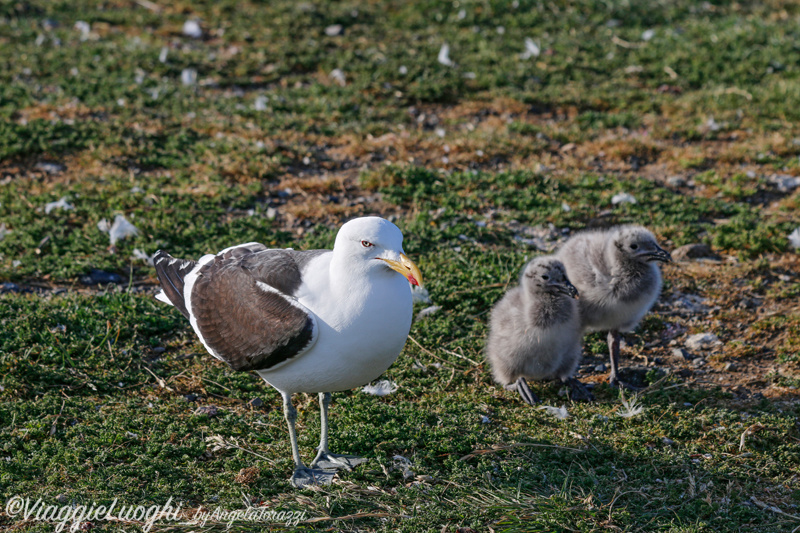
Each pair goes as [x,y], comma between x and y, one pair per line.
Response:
[315,321]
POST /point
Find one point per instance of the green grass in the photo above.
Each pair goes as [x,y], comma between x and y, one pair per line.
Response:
[94,381]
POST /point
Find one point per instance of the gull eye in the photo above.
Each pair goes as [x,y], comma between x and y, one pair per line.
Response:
[634,246]
[367,244]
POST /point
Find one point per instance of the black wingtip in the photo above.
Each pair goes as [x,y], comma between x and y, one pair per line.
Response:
[170,276]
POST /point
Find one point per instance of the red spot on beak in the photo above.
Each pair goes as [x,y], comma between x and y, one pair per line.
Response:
[412,280]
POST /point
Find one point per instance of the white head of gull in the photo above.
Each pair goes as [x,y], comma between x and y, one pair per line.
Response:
[315,321]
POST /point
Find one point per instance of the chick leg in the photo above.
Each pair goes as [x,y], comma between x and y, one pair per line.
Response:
[527,395]
[613,347]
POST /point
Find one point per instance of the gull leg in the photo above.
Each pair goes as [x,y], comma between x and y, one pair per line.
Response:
[613,348]
[303,475]
[578,391]
[527,395]
[325,459]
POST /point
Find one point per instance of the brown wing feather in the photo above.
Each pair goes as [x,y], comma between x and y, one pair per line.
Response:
[249,326]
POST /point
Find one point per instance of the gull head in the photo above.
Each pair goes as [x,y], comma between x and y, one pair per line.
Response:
[547,275]
[369,244]
[638,244]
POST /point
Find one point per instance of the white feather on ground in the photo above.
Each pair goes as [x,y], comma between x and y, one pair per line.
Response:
[794,239]
[623,198]
[630,408]
[60,204]
[383,387]
[558,412]
[444,56]
[531,49]
[120,229]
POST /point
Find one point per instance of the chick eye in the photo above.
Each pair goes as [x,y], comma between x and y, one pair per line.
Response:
[545,277]
[367,244]
[634,246]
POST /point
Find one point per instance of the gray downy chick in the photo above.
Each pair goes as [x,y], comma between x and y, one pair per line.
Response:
[534,331]
[617,274]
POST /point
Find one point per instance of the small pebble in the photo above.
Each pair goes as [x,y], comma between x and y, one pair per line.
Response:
[208,410]
[100,277]
[680,353]
[256,402]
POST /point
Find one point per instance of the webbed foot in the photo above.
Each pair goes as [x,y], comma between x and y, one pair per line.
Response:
[327,460]
[304,476]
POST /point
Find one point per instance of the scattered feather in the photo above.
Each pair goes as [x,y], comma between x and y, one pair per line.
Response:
[784,182]
[334,29]
[485,419]
[623,198]
[648,34]
[420,295]
[138,254]
[50,168]
[444,56]
[462,14]
[702,341]
[400,462]
[119,230]
[261,103]
[60,204]
[85,28]
[630,408]
[565,207]
[713,125]
[440,132]
[558,412]
[403,70]
[794,239]
[338,76]
[188,76]
[4,231]
[428,311]
[162,56]
[531,49]
[382,388]
[191,28]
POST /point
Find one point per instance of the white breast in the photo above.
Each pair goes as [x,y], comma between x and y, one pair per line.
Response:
[361,332]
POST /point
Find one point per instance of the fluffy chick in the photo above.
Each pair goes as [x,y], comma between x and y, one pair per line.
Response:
[617,274]
[534,331]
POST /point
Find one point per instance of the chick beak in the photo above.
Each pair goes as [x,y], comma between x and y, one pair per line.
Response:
[406,267]
[568,289]
[660,255]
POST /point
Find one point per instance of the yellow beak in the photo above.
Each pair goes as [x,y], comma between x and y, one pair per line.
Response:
[406,267]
